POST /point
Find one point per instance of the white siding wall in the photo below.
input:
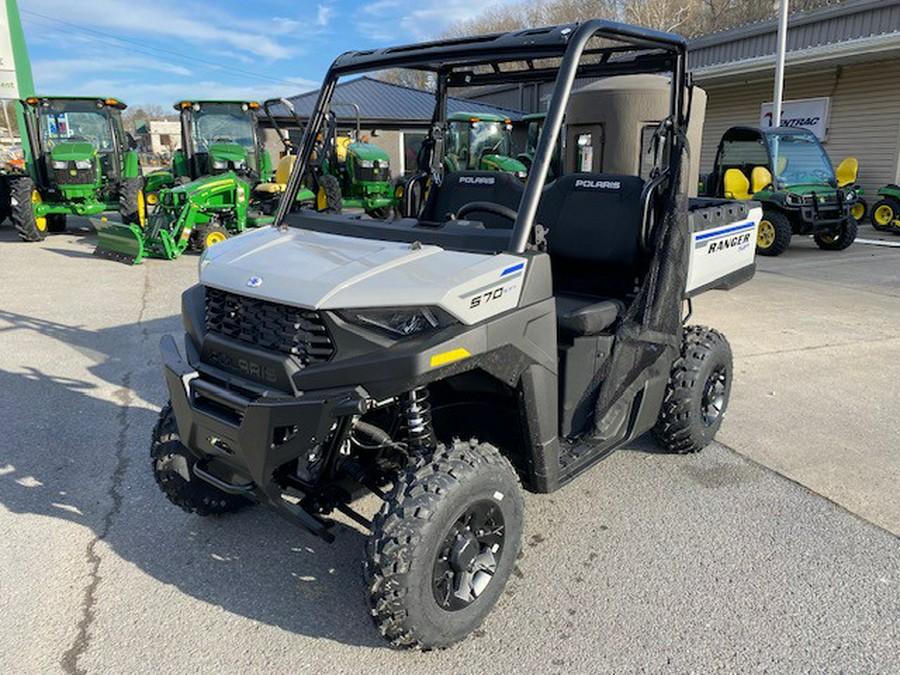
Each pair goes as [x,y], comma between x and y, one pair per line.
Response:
[864,121]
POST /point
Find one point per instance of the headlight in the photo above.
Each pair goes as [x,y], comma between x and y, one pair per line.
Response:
[240,165]
[366,163]
[83,164]
[219,164]
[521,174]
[399,322]
[57,164]
[792,199]
[850,195]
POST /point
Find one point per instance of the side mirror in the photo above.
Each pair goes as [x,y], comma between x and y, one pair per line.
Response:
[130,141]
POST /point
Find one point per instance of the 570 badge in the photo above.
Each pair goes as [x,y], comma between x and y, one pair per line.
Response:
[486,297]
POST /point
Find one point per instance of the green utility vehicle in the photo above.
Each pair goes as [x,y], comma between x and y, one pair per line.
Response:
[481,141]
[885,213]
[220,184]
[788,171]
[78,161]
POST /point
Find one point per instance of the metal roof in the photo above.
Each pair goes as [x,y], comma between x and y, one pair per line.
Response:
[383,102]
[857,24]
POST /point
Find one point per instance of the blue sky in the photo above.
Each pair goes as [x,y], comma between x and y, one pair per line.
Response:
[156,51]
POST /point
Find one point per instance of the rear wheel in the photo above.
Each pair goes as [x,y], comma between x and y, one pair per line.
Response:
[697,393]
[173,470]
[884,213]
[132,205]
[774,234]
[22,199]
[328,195]
[839,240]
[444,545]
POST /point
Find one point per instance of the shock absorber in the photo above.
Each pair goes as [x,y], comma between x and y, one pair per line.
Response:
[417,412]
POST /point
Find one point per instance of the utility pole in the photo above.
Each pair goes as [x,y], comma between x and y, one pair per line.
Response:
[779,62]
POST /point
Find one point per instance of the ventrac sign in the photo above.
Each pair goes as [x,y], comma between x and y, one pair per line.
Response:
[804,113]
[9,84]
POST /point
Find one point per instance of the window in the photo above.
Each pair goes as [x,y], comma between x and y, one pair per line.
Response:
[412,145]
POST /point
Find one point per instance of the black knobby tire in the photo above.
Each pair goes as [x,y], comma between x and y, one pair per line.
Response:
[775,241]
[697,393]
[56,222]
[172,468]
[28,227]
[328,195]
[420,532]
[132,206]
[211,234]
[841,239]
[884,213]
[381,213]
[4,198]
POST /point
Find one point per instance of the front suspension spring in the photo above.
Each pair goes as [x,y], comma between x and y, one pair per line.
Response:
[420,434]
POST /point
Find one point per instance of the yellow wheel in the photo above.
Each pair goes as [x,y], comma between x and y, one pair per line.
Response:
[152,199]
[774,234]
[321,200]
[765,236]
[40,222]
[141,209]
[214,237]
[858,210]
[884,213]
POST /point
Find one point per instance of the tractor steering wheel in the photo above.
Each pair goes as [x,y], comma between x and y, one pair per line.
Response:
[486,207]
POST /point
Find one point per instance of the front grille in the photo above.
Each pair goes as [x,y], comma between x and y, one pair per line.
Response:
[372,175]
[75,176]
[271,326]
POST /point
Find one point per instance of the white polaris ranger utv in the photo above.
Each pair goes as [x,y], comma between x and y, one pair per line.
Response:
[499,335]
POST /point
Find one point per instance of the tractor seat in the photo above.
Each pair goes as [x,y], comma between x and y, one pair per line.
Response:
[282,174]
[580,315]
[736,185]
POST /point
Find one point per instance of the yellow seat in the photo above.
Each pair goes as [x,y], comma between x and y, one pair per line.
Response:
[282,174]
[847,172]
[760,178]
[736,185]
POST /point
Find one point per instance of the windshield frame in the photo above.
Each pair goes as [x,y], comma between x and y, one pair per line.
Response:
[57,108]
[220,110]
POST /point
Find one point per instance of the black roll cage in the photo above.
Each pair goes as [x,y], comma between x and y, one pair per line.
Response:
[641,50]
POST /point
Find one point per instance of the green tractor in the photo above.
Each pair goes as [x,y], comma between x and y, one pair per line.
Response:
[481,142]
[535,126]
[221,183]
[78,161]
[363,170]
[885,214]
[789,172]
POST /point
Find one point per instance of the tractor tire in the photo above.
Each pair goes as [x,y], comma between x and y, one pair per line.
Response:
[697,393]
[132,206]
[382,213]
[884,213]
[56,222]
[22,197]
[444,545]
[860,210]
[841,240]
[774,234]
[211,234]
[172,469]
[5,210]
[328,195]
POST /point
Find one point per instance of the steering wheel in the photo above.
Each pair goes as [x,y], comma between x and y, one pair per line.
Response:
[486,207]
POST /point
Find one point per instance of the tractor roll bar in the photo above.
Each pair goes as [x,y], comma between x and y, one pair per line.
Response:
[568,41]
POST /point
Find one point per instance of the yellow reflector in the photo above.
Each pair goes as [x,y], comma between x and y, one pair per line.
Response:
[32,101]
[253,104]
[185,104]
[449,357]
[111,101]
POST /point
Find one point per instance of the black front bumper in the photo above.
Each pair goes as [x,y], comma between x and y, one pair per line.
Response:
[252,438]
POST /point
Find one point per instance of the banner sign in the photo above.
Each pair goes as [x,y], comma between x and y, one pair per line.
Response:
[15,70]
[803,113]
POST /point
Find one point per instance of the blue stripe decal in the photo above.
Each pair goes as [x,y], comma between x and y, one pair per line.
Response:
[510,270]
[719,233]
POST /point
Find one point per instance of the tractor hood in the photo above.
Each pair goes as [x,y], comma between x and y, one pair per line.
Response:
[72,151]
[227,152]
[317,270]
[503,163]
[367,151]
[222,181]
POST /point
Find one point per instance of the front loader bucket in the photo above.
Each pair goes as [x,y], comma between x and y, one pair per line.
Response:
[117,241]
